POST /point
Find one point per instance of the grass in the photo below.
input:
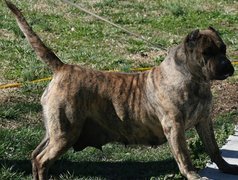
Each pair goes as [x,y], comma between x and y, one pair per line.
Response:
[81,39]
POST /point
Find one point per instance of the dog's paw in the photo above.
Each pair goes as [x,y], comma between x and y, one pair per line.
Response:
[204,178]
[193,176]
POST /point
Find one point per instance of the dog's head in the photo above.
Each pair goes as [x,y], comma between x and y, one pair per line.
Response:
[209,51]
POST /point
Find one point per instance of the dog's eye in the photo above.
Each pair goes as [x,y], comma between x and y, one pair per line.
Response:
[205,53]
[209,52]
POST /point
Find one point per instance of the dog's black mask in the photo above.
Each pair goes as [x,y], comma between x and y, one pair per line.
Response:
[214,54]
[212,50]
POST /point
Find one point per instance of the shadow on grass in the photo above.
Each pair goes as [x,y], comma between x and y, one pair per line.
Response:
[111,170]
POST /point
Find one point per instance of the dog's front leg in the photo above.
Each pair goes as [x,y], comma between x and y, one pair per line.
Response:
[175,134]
[206,133]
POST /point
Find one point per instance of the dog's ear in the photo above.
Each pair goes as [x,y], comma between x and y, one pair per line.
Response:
[192,38]
[214,30]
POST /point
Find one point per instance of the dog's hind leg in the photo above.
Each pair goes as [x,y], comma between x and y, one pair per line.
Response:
[62,133]
[58,144]
[40,147]
[37,151]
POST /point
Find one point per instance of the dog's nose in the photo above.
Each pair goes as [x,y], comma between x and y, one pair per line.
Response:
[232,71]
[227,67]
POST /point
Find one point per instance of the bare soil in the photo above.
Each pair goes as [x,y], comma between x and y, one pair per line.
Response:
[225,97]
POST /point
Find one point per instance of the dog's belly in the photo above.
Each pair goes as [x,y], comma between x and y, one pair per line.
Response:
[96,135]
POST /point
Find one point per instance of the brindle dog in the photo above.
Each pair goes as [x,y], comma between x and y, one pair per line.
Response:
[85,107]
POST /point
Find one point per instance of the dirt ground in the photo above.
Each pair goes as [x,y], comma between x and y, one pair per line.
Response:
[225,97]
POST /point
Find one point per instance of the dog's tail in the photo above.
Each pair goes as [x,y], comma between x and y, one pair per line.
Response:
[45,53]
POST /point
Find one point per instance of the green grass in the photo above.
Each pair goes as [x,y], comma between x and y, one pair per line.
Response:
[81,39]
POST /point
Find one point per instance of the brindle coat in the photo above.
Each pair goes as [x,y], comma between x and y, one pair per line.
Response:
[85,107]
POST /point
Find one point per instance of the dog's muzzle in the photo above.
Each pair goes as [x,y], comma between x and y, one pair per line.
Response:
[224,69]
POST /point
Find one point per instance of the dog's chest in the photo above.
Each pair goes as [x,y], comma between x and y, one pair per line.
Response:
[197,104]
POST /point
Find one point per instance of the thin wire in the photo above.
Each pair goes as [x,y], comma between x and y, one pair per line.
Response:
[157,46]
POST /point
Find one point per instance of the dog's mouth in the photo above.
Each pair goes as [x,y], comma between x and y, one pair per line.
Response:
[224,76]
[225,71]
